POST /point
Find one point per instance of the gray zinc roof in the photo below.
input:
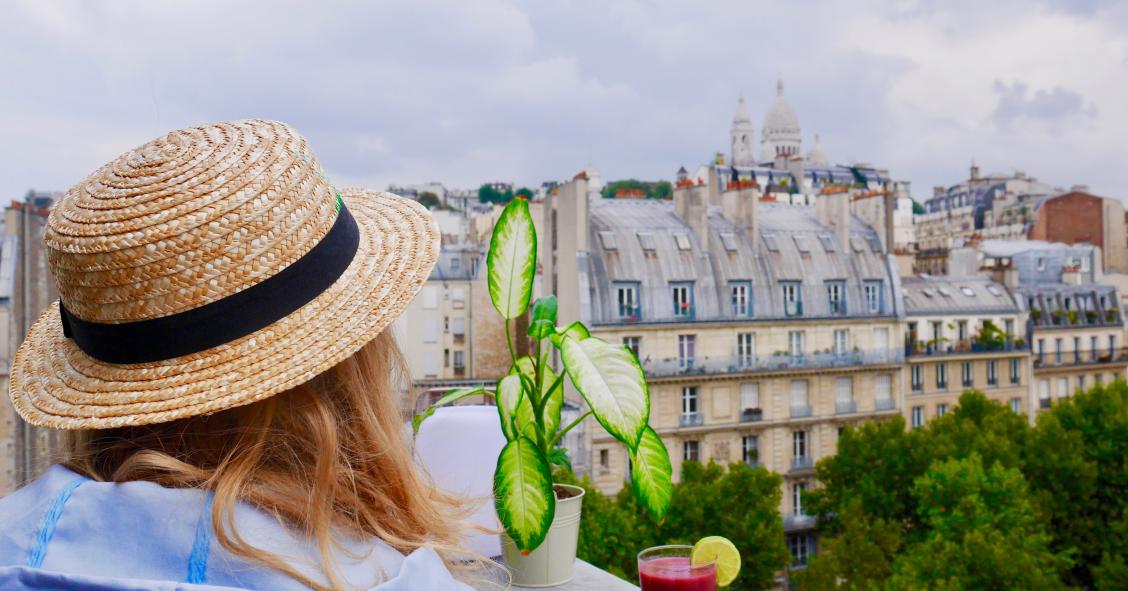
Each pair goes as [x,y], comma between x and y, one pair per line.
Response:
[956,295]
[792,246]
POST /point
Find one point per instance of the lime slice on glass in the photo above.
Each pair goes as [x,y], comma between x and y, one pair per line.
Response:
[721,551]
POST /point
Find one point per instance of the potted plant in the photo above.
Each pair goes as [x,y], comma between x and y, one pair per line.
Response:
[542,518]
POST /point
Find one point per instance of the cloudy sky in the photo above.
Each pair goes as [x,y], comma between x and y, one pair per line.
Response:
[468,91]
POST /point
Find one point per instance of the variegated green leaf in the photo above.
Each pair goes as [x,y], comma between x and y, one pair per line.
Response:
[512,260]
[523,493]
[610,379]
[509,396]
[651,474]
[576,330]
[554,403]
[543,322]
[448,398]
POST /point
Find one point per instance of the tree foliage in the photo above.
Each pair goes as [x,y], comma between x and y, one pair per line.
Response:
[979,499]
[650,190]
[429,200]
[740,503]
[487,193]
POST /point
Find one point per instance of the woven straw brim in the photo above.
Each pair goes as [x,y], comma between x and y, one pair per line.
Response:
[54,384]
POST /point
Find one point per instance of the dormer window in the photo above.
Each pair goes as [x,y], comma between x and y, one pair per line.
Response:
[646,241]
[682,240]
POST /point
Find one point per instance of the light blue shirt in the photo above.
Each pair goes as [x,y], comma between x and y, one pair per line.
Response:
[64,531]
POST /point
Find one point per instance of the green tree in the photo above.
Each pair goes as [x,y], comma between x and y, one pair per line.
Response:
[860,557]
[488,194]
[918,209]
[525,192]
[429,200]
[1077,464]
[982,532]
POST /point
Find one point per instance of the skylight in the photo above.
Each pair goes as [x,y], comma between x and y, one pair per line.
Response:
[646,240]
[801,243]
[967,291]
[770,240]
[994,290]
[944,291]
[928,292]
[858,244]
[828,242]
[729,240]
[608,240]
[682,241]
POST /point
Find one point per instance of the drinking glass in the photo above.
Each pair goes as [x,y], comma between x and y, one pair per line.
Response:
[667,568]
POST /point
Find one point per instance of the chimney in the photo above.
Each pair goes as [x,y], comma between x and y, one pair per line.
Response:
[741,206]
[938,191]
[833,211]
[1079,189]
[691,204]
[713,184]
[974,171]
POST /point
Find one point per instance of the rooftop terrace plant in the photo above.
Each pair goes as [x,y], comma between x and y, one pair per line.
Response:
[530,397]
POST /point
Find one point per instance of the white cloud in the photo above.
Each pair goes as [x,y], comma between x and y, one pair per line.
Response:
[464,92]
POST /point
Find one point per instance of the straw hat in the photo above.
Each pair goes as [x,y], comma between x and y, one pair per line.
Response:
[174,301]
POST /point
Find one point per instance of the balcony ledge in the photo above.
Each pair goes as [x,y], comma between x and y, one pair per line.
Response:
[590,578]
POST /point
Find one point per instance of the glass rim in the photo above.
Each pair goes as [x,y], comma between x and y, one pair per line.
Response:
[667,547]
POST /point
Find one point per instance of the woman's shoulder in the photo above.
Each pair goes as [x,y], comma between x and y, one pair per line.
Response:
[64,523]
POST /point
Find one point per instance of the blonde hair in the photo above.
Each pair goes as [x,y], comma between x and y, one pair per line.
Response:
[327,457]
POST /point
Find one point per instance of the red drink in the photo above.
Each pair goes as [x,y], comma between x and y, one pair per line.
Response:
[670,572]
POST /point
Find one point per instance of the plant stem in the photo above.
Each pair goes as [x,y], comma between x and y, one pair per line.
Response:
[560,434]
[509,341]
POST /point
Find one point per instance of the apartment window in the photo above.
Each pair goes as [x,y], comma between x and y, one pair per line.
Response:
[1063,387]
[992,372]
[682,294]
[917,378]
[937,331]
[1098,379]
[689,404]
[961,330]
[883,390]
[918,416]
[874,297]
[1044,393]
[1041,264]
[836,296]
[941,409]
[795,343]
[841,345]
[1077,349]
[1016,405]
[459,359]
[691,451]
[800,407]
[1081,383]
[634,344]
[941,376]
[750,449]
[457,294]
[746,349]
[458,327]
[687,349]
[1112,346]
[1041,351]
[741,292]
[797,491]
[792,298]
[626,299]
[1093,348]
[455,265]
[844,394]
[1015,371]
[749,396]
[604,458]
[801,547]
[799,444]
[1057,350]
[966,373]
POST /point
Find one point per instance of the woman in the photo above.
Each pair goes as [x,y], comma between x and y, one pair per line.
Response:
[218,359]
